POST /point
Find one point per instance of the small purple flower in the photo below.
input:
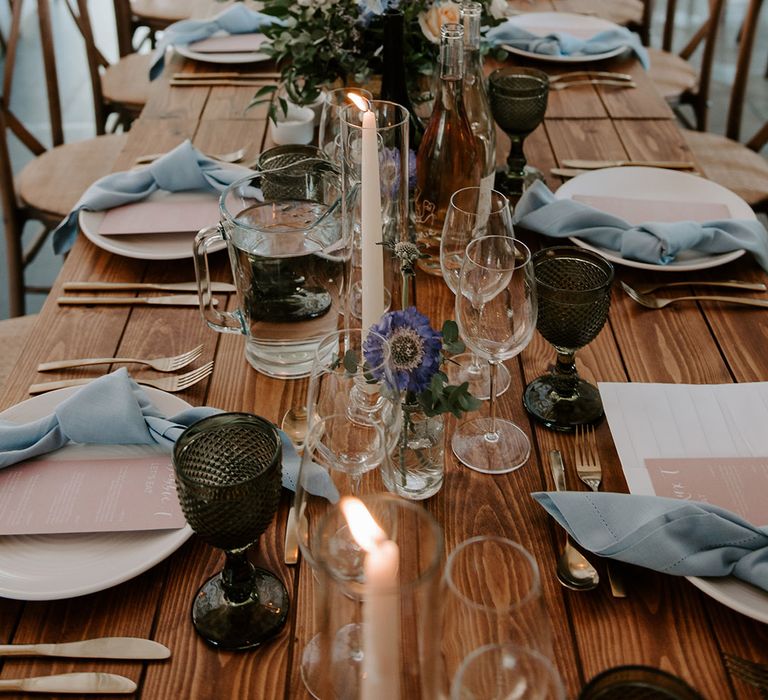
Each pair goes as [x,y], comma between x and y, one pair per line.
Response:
[414,348]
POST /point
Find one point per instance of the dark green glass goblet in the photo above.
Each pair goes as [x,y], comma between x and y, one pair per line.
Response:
[573,286]
[228,478]
[518,99]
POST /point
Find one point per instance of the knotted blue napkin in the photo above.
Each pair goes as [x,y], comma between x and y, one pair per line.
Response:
[683,538]
[183,168]
[113,410]
[564,44]
[236,19]
[657,243]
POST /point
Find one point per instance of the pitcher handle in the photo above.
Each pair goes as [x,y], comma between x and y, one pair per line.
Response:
[221,321]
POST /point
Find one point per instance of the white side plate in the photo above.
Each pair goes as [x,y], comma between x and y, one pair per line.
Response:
[209,57]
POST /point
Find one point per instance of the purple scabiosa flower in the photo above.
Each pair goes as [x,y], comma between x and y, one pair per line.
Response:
[414,348]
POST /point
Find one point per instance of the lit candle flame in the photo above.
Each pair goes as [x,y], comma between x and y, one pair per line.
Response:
[365,530]
[360,102]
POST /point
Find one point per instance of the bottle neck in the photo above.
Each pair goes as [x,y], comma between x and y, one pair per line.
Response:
[452,56]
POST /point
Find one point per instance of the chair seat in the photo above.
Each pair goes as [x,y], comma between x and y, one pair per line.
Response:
[671,75]
[13,336]
[126,83]
[731,165]
[52,183]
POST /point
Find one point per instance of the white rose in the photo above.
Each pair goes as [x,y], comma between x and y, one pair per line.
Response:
[439,14]
[498,9]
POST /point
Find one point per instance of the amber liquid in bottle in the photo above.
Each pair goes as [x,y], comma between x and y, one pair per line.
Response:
[449,156]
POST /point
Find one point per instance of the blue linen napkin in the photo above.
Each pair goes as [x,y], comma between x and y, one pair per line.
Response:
[682,538]
[183,168]
[657,243]
[564,44]
[113,410]
[236,19]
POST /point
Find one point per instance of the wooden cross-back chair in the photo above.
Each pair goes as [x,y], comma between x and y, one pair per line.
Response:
[737,166]
[47,188]
[675,78]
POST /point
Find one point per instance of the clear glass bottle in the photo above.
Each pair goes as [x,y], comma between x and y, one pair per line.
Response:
[476,100]
[450,156]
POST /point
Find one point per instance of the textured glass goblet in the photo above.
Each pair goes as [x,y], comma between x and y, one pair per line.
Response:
[472,212]
[228,478]
[518,99]
[574,290]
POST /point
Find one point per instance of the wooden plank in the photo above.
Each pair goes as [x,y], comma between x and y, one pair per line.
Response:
[652,139]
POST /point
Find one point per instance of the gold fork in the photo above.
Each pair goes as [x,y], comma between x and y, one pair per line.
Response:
[598,81]
[729,284]
[652,302]
[587,459]
[161,364]
[751,672]
[178,382]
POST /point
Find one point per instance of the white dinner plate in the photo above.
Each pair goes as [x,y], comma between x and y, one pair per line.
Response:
[660,185]
[220,57]
[582,26]
[737,595]
[145,246]
[51,567]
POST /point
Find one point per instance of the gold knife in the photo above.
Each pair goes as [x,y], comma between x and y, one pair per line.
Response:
[70,683]
[595,164]
[216,287]
[102,648]
[172,300]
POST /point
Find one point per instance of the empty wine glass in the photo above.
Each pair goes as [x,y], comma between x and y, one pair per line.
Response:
[518,99]
[330,128]
[505,671]
[496,314]
[573,286]
[228,478]
[472,212]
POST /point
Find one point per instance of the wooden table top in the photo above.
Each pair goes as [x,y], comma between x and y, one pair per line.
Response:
[663,622]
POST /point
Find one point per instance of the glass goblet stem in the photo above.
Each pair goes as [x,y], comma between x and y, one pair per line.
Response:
[493,434]
[237,576]
[516,158]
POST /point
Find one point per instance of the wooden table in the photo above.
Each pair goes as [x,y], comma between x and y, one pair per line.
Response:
[664,621]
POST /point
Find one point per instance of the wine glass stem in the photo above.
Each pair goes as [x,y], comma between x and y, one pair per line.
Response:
[237,576]
[516,157]
[492,435]
[475,367]
[565,371]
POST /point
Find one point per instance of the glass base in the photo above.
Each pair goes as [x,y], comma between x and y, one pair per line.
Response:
[236,626]
[513,185]
[460,369]
[508,451]
[346,657]
[563,413]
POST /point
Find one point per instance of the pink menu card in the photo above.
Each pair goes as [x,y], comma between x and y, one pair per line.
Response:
[57,495]
[738,484]
[166,215]
[636,211]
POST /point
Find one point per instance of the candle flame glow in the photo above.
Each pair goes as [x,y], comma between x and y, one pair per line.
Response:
[359,101]
[365,530]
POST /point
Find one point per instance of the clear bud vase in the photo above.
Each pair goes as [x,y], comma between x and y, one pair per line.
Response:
[415,462]
[378,602]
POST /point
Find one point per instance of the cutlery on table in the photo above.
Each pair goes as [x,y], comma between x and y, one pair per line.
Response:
[70,683]
[588,467]
[171,300]
[233,157]
[224,75]
[652,302]
[216,287]
[573,569]
[102,648]
[751,672]
[212,82]
[567,172]
[593,81]
[161,364]
[291,547]
[597,164]
[173,384]
[575,74]
[730,284]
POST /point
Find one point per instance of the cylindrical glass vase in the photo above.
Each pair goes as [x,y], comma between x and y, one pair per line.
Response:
[378,599]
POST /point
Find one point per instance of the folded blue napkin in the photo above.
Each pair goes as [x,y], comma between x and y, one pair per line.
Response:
[236,19]
[183,168]
[113,410]
[683,538]
[657,243]
[564,44]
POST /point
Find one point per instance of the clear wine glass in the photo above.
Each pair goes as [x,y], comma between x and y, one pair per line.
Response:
[330,128]
[496,314]
[472,212]
[574,290]
[518,99]
[228,479]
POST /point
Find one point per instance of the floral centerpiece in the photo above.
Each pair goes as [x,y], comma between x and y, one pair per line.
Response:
[327,41]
